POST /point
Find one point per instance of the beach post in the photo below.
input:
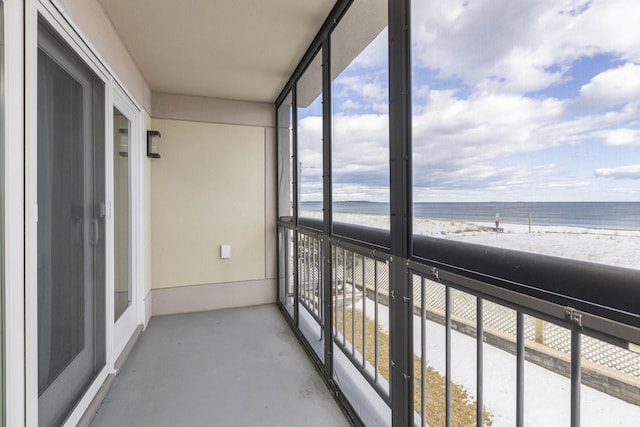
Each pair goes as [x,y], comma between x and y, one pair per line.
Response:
[529,222]
[539,331]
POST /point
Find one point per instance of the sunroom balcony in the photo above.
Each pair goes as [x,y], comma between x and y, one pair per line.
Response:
[235,367]
[476,352]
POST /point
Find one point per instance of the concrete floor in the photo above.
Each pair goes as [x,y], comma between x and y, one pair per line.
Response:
[236,367]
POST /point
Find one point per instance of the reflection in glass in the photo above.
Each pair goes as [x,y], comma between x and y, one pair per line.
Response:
[309,139]
[525,126]
[122,217]
[285,158]
[360,116]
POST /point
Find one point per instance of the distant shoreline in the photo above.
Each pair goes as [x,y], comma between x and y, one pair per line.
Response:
[595,215]
[599,245]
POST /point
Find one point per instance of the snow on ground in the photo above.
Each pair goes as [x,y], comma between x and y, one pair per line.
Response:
[547,394]
[613,247]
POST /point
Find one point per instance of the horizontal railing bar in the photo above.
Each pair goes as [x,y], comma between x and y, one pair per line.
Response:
[615,333]
[608,291]
[360,250]
[363,235]
[510,299]
[619,285]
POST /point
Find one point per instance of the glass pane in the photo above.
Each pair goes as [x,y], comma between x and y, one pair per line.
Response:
[285,159]
[122,213]
[525,129]
[309,139]
[360,116]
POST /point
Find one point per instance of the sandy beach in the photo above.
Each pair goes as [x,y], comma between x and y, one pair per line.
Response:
[612,247]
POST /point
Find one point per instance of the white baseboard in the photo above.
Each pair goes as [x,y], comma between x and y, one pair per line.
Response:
[187,299]
[148,307]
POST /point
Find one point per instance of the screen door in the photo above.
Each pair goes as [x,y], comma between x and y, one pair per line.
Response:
[71,219]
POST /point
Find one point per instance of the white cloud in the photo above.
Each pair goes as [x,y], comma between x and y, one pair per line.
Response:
[520,46]
[614,86]
[485,126]
[361,140]
[486,136]
[350,104]
[622,172]
[367,87]
[621,136]
[569,185]
[310,133]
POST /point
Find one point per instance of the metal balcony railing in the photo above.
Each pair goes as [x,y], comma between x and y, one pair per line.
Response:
[487,345]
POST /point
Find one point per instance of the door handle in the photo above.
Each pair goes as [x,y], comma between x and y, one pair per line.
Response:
[95,237]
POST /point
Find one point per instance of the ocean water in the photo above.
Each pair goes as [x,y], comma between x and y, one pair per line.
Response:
[605,215]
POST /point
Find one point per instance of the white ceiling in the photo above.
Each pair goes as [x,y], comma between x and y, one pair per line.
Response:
[233,49]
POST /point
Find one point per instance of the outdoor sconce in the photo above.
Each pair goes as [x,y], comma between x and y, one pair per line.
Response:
[153,144]
[123,142]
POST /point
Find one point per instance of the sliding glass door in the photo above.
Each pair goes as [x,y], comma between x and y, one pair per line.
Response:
[122,217]
[124,157]
[71,224]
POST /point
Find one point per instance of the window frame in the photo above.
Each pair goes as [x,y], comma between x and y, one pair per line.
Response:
[401,241]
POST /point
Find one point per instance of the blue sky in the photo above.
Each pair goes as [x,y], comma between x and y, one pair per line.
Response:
[528,100]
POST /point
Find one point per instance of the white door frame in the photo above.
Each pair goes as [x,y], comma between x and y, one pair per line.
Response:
[14,261]
[24,376]
[126,325]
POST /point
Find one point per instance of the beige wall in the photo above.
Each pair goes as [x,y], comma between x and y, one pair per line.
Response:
[209,189]
[215,184]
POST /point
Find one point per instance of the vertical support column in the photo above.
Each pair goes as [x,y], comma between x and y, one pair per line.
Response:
[520,370]
[479,361]
[327,206]
[576,376]
[447,369]
[400,203]
[294,165]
